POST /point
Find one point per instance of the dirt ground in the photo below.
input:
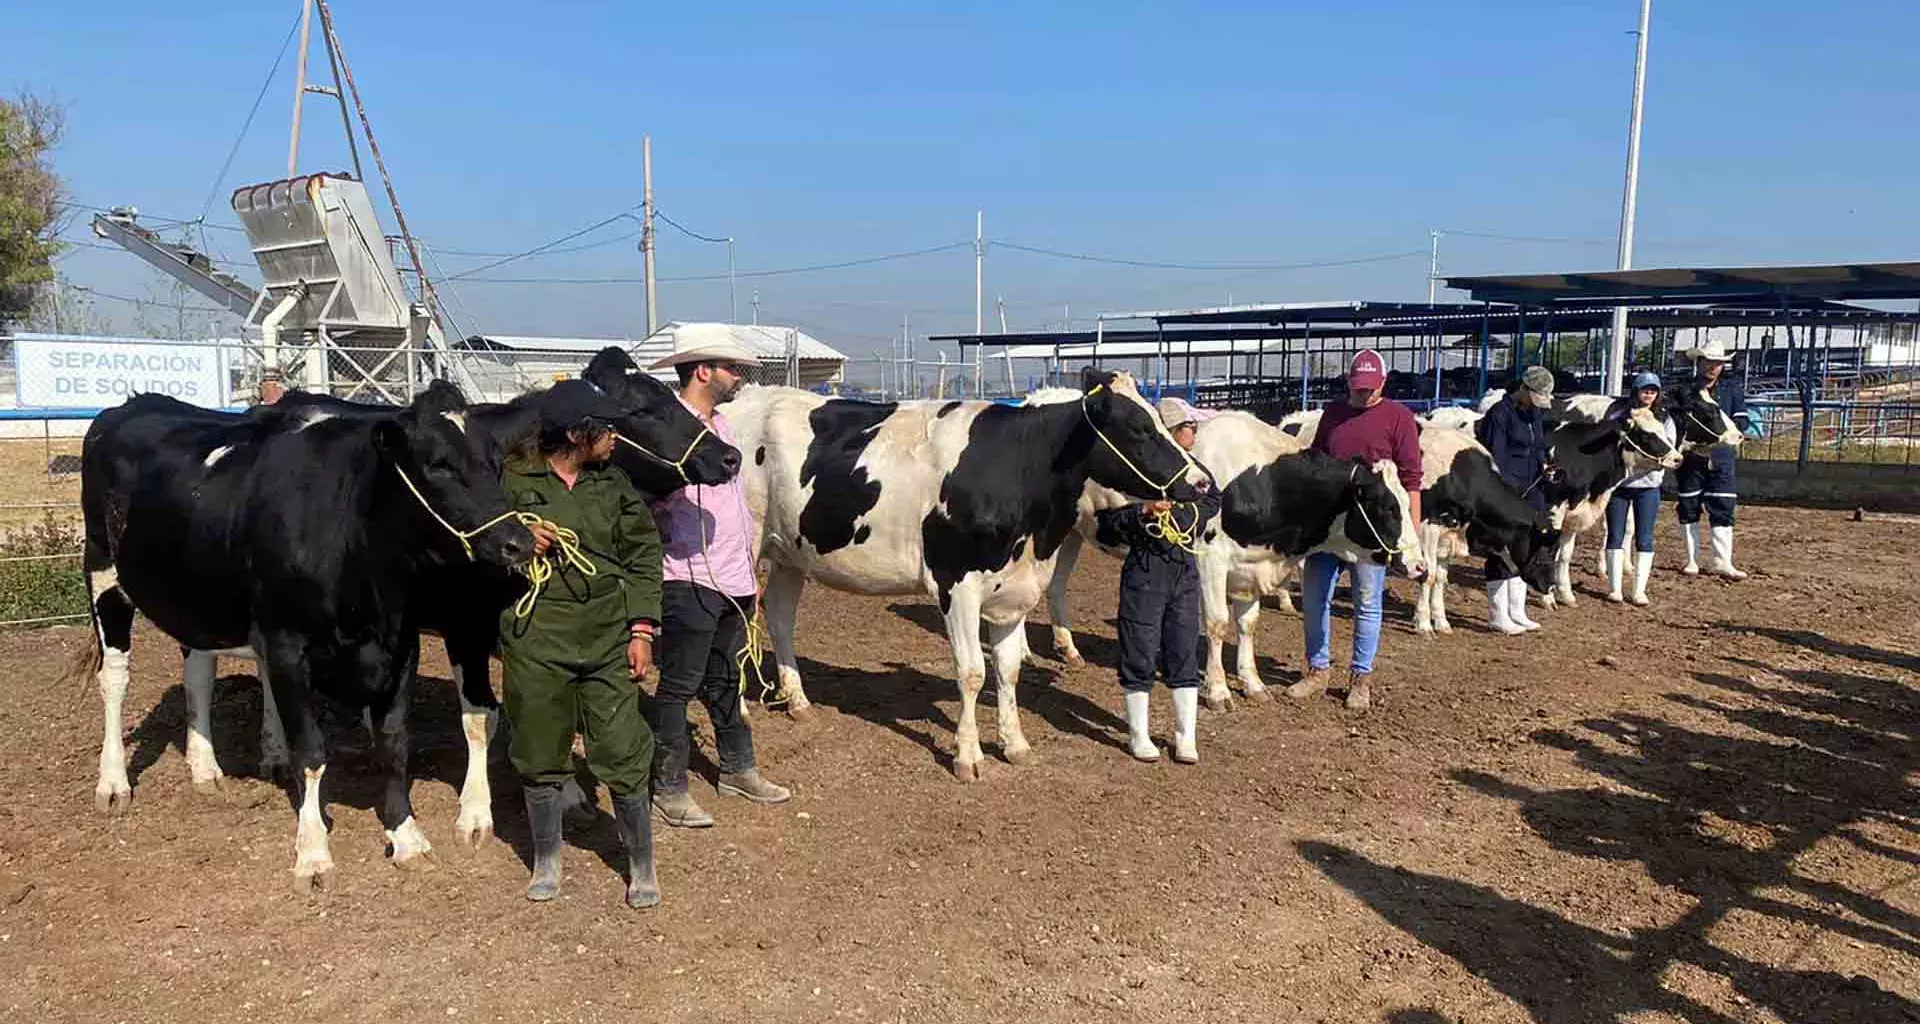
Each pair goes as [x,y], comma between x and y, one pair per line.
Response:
[1700,812]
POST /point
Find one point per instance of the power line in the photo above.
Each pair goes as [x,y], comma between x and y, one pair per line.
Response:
[583,247]
[538,249]
[695,235]
[813,268]
[214,192]
[147,302]
[1157,265]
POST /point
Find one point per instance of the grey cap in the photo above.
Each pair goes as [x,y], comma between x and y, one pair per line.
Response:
[1539,380]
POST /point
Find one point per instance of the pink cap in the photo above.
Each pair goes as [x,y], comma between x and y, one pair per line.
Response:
[1368,371]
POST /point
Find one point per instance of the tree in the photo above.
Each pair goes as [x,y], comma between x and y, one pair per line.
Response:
[30,193]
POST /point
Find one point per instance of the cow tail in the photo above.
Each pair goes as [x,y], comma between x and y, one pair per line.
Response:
[88,658]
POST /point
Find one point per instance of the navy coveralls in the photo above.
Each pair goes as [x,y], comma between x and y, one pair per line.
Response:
[1516,436]
[1159,595]
[1706,478]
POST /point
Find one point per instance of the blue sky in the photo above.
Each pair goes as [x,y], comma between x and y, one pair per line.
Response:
[1211,133]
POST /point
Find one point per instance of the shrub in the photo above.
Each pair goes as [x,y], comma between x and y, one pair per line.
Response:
[42,587]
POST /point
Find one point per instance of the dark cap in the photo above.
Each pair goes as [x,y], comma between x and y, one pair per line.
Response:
[565,404]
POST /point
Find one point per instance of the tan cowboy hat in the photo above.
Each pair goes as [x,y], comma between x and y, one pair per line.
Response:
[1714,351]
[705,343]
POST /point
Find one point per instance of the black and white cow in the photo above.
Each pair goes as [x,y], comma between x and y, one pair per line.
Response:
[1589,461]
[967,502]
[1279,504]
[1466,507]
[300,536]
[663,446]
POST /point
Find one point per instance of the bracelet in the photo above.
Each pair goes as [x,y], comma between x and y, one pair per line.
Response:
[643,630]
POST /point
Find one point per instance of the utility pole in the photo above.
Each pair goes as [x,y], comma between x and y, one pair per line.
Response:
[300,87]
[756,307]
[646,230]
[733,296]
[1433,267]
[1617,354]
[979,292]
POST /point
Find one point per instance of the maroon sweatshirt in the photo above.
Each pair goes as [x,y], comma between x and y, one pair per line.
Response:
[1382,431]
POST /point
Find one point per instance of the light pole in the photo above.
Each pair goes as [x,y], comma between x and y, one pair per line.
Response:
[1617,354]
[733,297]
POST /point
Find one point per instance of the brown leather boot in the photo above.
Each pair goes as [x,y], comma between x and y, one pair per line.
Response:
[1312,682]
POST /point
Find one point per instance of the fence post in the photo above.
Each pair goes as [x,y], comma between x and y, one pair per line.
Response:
[1805,388]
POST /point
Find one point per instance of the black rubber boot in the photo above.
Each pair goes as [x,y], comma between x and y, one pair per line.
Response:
[633,815]
[544,810]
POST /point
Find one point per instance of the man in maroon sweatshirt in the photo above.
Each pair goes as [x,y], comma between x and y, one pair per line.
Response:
[1365,426]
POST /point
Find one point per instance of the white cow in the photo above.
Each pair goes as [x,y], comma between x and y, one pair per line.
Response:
[965,502]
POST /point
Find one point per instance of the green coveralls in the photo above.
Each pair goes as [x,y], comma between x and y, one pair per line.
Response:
[566,664]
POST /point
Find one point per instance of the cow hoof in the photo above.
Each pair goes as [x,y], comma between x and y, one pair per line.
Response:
[1258,693]
[966,771]
[474,834]
[1219,703]
[1024,757]
[213,788]
[800,712]
[1073,659]
[419,863]
[1443,627]
[113,801]
[1425,632]
[312,880]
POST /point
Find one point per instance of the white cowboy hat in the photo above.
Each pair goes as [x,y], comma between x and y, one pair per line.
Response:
[702,343]
[1174,411]
[1714,351]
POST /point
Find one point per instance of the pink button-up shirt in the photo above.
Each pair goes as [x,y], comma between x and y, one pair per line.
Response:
[706,530]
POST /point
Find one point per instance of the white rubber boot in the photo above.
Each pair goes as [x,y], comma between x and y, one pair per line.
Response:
[1722,562]
[1186,708]
[1610,560]
[1139,743]
[1691,531]
[1642,568]
[1517,605]
[1499,619]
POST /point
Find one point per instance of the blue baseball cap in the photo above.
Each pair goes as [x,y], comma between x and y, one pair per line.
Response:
[1645,379]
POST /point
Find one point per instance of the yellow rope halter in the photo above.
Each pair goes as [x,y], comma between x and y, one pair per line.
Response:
[1165,526]
[678,465]
[539,570]
[1186,461]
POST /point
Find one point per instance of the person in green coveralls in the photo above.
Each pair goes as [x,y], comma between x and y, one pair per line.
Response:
[578,655]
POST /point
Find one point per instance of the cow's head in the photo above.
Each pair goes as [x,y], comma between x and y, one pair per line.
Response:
[1644,438]
[1530,552]
[664,446]
[1133,452]
[1381,521]
[1699,420]
[455,473]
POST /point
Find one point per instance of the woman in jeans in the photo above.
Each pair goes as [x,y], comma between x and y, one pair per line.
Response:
[1641,495]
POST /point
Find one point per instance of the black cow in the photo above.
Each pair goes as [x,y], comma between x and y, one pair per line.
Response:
[1467,507]
[663,446]
[301,535]
[1589,461]
[965,502]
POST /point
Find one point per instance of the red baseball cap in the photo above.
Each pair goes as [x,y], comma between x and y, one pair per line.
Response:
[1368,371]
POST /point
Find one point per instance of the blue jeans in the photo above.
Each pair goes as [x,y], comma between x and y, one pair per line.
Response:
[1645,503]
[1316,607]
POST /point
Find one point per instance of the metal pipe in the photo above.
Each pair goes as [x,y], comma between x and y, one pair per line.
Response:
[300,87]
[1617,356]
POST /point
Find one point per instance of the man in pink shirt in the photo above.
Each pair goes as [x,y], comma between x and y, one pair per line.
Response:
[709,586]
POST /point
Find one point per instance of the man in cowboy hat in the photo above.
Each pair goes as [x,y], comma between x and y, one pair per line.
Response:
[708,593]
[1706,478]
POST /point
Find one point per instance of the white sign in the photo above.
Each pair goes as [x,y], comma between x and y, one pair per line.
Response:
[64,372]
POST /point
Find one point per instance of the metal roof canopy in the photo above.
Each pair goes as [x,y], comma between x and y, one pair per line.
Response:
[1276,313]
[1457,317]
[1760,286]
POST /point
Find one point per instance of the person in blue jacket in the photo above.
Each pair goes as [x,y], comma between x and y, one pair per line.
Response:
[1705,479]
[1160,599]
[1515,432]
